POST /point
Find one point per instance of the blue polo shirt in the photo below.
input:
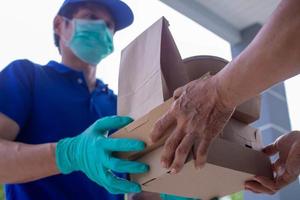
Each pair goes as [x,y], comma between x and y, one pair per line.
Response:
[49,103]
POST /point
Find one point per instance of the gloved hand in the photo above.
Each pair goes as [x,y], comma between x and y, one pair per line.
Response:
[172,197]
[91,153]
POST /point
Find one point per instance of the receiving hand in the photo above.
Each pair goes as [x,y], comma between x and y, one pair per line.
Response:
[286,168]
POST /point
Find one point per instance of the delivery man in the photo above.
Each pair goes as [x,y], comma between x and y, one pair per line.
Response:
[55,118]
[203,107]
[47,150]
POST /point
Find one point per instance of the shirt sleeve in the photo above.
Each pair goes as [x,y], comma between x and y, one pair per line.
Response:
[16,82]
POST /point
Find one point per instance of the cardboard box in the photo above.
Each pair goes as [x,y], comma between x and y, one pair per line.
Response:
[151,69]
[242,134]
[233,158]
[197,66]
[228,166]
[140,129]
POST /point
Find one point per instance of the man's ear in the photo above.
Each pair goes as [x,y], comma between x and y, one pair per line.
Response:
[57,24]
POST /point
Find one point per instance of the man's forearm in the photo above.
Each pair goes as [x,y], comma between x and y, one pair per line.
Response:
[23,163]
[273,56]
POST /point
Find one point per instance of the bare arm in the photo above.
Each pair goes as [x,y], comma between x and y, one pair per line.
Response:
[204,106]
[273,56]
[22,162]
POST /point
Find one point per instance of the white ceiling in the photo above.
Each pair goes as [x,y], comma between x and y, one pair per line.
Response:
[226,18]
[241,13]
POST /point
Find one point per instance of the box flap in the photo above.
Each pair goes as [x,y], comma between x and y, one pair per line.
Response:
[222,153]
[141,129]
[240,133]
[228,166]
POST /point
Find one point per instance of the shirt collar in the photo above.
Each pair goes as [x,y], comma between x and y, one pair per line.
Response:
[61,68]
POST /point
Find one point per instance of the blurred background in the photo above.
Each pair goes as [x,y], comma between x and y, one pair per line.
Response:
[221,28]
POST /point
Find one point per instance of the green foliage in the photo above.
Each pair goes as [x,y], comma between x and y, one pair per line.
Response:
[1,193]
[237,196]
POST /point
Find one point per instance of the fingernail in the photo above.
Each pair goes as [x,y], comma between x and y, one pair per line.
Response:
[163,164]
[127,119]
[150,141]
[173,171]
[140,145]
[145,168]
[136,189]
[246,186]
[199,166]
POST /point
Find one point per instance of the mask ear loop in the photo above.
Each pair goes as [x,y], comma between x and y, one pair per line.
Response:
[70,21]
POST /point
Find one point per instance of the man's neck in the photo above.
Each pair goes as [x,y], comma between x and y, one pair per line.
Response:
[89,72]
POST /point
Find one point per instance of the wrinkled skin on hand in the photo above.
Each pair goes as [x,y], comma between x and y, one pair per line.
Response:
[286,167]
[200,115]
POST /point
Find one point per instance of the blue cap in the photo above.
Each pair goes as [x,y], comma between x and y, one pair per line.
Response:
[120,11]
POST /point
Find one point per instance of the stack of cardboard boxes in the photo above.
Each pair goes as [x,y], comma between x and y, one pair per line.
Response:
[151,69]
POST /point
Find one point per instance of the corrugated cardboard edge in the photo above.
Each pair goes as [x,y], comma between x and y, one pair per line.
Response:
[222,153]
[141,129]
[240,133]
[241,162]
[137,129]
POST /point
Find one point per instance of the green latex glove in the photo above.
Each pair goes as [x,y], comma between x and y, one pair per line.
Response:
[173,197]
[91,153]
